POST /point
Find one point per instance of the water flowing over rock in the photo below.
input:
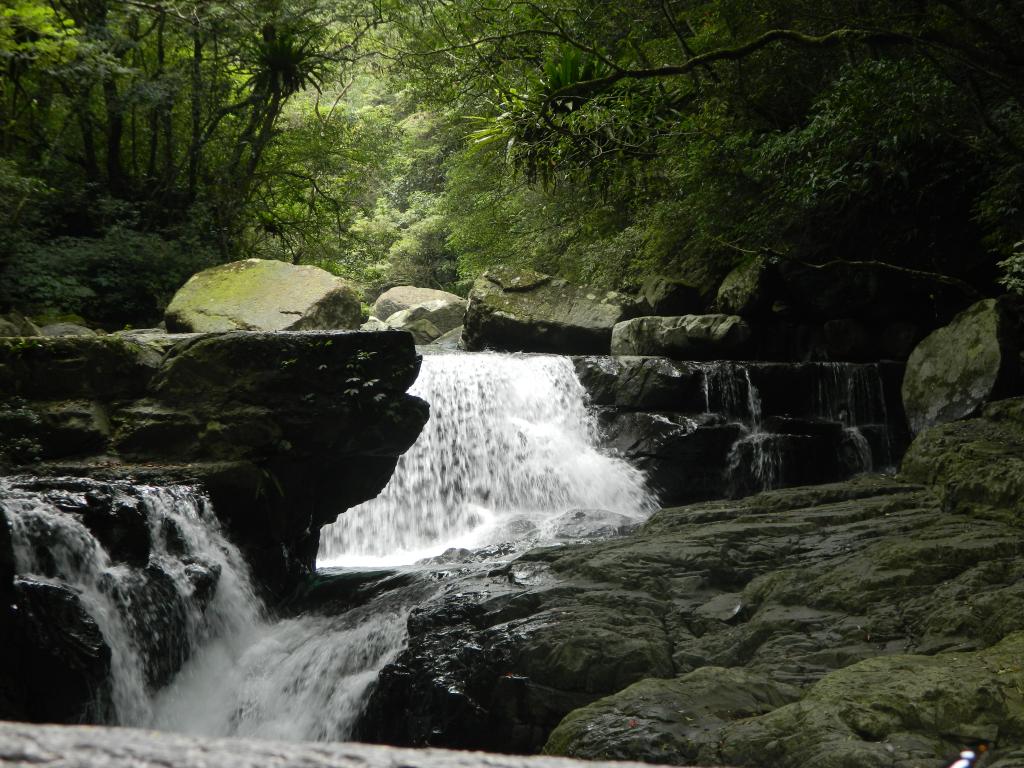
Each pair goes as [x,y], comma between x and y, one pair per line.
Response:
[510,442]
[263,295]
[140,617]
[722,429]
[284,430]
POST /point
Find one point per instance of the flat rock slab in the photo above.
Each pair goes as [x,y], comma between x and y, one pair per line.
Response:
[87,747]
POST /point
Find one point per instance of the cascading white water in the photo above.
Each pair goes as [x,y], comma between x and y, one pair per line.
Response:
[509,438]
[53,546]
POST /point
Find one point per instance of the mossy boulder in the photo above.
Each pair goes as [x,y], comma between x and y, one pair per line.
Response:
[747,289]
[902,711]
[263,295]
[667,721]
[959,368]
[526,311]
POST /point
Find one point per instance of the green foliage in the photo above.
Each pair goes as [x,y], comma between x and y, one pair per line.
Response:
[120,278]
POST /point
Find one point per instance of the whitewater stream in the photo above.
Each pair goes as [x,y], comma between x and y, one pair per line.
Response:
[509,459]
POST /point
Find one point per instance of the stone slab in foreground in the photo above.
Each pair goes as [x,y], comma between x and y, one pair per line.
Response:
[87,746]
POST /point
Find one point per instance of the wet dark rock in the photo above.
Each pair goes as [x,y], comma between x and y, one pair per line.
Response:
[285,430]
[971,361]
[62,662]
[849,340]
[642,383]
[753,632]
[589,524]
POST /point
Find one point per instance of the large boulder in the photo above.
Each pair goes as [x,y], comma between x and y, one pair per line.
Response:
[429,320]
[521,310]
[669,296]
[261,295]
[16,324]
[687,337]
[747,290]
[959,368]
[407,296]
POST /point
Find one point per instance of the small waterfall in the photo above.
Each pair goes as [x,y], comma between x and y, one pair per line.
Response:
[299,679]
[848,396]
[510,439]
[194,584]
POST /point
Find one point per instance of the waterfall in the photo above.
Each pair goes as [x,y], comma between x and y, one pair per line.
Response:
[848,396]
[510,440]
[150,614]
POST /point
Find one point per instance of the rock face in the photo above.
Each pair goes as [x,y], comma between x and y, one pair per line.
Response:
[803,627]
[747,290]
[407,296]
[93,747]
[661,295]
[16,324]
[687,337]
[524,311]
[285,430]
[261,295]
[960,367]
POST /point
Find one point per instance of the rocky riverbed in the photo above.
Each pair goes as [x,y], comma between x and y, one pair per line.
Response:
[875,621]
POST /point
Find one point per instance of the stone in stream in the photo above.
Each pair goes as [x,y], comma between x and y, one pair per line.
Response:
[959,368]
[525,311]
[263,295]
[752,632]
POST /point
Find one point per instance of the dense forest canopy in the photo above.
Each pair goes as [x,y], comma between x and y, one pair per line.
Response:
[425,141]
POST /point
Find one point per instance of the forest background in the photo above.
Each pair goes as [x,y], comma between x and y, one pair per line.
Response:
[423,142]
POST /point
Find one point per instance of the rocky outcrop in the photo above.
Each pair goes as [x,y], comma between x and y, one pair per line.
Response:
[404,297]
[284,430]
[783,629]
[964,365]
[16,324]
[92,747]
[525,311]
[263,295]
[688,337]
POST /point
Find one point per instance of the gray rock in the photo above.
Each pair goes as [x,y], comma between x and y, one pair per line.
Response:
[16,324]
[526,311]
[262,295]
[407,296]
[66,329]
[95,747]
[442,314]
[450,340]
[688,337]
[374,324]
[642,383]
[959,368]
